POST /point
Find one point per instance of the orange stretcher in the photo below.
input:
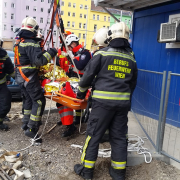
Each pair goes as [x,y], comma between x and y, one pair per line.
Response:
[70,102]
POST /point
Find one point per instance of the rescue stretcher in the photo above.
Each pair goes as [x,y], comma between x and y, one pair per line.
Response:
[70,102]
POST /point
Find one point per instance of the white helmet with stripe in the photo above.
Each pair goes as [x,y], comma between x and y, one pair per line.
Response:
[71,38]
[100,37]
[30,24]
[118,30]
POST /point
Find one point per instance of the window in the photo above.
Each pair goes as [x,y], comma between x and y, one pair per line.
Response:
[5,4]
[12,5]
[62,12]
[5,27]
[109,19]
[27,7]
[34,17]
[80,15]
[5,15]
[85,7]
[74,5]
[73,15]
[126,21]
[97,17]
[69,4]
[80,25]
[72,32]
[49,1]
[69,13]
[48,20]
[35,0]
[62,3]
[108,27]
[48,10]
[42,0]
[81,6]
[95,28]
[79,36]
[41,20]
[47,31]
[42,9]
[84,26]
[12,16]
[94,17]
[73,24]
[84,36]
[11,28]
[34,8]
[68,24]
[85,16]
[54,32]
[104,18]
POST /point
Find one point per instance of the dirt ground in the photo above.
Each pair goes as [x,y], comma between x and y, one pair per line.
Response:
[55,158]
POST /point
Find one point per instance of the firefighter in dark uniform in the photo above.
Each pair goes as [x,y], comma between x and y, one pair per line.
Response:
[6,68]
[81,58]
[116,75]
[28,57]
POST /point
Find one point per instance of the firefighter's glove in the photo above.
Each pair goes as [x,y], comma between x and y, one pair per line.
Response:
[53,52]
[81,95]
[64,53]
[71,54]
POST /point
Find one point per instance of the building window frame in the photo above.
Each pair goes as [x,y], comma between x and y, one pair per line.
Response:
[35,8]
[98,17]
[12,28]
[42,9]
[5,4]
[84,36]
[81,6]
[94,17]
[68,24]
[41,20]
[104,18]
[79,36]
[69,13]
[95,27]
[85,16]
[80,25]
[74,5]
[69,4]
[5,15]
[62,13]
[73,14]
[84,26]
[27,8]
[5,27]
[12,16]
[62,3]
[73,24]
[80,15]
[13,5]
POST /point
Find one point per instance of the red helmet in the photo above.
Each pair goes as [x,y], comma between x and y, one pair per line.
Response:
[45,81]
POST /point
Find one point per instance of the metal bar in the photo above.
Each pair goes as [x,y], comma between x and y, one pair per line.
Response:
[150,71]
[165,111]
[144,130]
[110,14]
[175,74]
[166,154]
[161,110]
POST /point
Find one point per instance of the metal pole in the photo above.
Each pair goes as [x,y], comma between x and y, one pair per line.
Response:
[165,112]
[111,14]
[86,27]
[161,111]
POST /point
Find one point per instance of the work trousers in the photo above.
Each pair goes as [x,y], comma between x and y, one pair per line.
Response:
[33,102]
[5,101]
[99,121]
[66,114]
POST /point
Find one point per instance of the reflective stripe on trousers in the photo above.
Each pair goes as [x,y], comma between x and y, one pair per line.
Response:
[66,115]
[27,112]
[86,163]
[111,95]
[118,165]
[37,117]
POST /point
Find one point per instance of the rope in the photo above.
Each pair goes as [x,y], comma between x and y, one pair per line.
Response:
[81,124]
[132,147]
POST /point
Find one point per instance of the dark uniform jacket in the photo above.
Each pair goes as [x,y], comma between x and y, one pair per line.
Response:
[31,58]
[6,66]
[115,70]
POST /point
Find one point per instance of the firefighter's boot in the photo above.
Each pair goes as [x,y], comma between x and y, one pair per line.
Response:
[86,173]
[117,174]
[4,126]
[70,130]
[32,133]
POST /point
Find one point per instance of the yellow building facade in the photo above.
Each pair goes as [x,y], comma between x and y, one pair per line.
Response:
[74,13]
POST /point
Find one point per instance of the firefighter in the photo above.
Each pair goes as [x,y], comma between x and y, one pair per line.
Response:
[6,68]
[116,75]
[80,57]
[28,57]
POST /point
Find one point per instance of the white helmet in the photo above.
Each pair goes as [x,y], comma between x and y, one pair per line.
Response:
[1,42]
[30,24]
[100,37]
[118,30]
[70,38]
